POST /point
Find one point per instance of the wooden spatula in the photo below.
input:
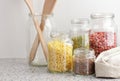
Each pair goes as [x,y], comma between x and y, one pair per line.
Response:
[47,9]
[43,44]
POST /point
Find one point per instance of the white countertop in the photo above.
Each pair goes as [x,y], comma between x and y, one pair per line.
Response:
[19,70]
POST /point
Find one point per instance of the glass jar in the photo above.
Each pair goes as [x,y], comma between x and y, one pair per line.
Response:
[80,33]
[103,35]
[39,59]
[60,53]
[83,61]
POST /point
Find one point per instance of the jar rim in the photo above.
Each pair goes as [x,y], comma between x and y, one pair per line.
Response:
[44,15]
[55,34]
[80,21]
[102,15]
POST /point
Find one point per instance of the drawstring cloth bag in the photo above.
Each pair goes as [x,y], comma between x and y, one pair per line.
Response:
[107,63]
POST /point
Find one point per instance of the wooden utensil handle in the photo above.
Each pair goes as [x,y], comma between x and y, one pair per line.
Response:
[47,9]
[34,48]
[35,45]
[43,44]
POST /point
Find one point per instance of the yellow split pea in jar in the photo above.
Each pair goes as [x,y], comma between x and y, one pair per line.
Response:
[60,53]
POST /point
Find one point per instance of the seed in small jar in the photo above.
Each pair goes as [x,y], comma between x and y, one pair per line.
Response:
[83,66]
[102,41]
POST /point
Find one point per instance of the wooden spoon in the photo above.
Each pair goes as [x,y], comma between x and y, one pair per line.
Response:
[47,9]
[43,44]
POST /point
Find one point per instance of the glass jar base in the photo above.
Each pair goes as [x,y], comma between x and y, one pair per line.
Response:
[35,65]
[62,72]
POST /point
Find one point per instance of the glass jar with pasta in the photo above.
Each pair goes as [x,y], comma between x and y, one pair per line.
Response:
[60,53]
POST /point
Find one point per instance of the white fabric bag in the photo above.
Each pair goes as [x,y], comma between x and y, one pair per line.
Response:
[108,63]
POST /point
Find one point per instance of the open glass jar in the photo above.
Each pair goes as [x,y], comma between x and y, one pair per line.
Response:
[103,35]
[60,53]
[83,61]
[80,33]
[39,59]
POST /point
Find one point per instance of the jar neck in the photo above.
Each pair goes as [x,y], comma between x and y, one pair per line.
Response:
[102,19]
[61,37]
[84,52]
[106,25]
[57,34]
[80,24]
[43,17]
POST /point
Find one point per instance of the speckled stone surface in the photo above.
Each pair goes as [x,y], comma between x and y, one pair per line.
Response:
[19,70]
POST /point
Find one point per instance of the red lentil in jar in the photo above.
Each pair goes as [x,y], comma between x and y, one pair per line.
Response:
[102,41]
[103,32]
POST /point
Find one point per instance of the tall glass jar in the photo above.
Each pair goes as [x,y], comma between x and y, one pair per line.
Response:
[103,35]
[39,59]
[80,33]
[60,53]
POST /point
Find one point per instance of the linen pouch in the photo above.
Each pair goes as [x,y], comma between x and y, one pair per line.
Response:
[107,63]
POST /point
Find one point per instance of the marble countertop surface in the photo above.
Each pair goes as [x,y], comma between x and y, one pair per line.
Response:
[19,70]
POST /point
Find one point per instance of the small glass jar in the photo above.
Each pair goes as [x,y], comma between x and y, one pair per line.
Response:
[60,53]
[80,33]
[39,59]
[103,35]
[83,61]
